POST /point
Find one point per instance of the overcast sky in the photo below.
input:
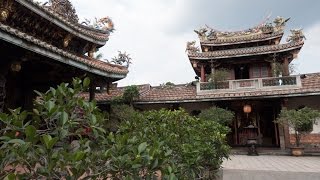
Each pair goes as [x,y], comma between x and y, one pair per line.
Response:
[155,32]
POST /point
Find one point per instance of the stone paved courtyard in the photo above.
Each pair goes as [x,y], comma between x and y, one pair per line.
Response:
[267,167]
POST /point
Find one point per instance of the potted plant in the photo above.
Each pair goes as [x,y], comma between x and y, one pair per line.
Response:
[301,121]
[218,77]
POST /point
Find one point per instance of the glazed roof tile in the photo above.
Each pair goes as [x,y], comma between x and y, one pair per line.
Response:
[92,63]
[187,92]
[245,51]
[95,35]
[242,39]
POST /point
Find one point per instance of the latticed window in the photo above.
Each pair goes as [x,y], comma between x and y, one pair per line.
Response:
[259,71]
[255,72]
[264,71]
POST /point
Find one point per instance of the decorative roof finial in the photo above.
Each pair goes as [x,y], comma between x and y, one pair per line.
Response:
[280,22]
[122,59]
[104,23]
[296,36]
[191,47]
[202,33]
[64,8]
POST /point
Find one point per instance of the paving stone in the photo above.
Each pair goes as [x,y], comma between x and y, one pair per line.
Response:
[242,167]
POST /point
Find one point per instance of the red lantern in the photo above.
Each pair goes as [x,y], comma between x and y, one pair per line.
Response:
[247,108]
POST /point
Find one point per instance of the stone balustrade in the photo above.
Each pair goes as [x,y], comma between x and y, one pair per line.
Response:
[250,84]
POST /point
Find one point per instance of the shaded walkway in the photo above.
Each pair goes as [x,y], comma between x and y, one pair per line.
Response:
[242,167]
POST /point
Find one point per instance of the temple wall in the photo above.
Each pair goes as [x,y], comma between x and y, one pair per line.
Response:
[189,107]
[312,140]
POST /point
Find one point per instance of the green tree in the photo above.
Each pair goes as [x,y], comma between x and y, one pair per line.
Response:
[130,94]
[301,120]
[216,79]
[219,115]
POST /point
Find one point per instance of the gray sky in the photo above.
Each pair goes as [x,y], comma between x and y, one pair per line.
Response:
[155,32]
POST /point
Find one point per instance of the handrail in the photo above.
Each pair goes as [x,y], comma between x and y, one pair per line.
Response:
[251,84]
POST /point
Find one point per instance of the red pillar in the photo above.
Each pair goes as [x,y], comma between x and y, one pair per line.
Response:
[286,67]
[203,74]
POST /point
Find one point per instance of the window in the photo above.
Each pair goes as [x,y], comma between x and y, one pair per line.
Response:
[259,71]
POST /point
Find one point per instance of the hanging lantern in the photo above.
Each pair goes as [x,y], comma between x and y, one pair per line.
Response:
[16,66]
[247,108]
[194,64]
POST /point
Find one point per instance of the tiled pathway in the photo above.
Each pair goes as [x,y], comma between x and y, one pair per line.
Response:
[242,167]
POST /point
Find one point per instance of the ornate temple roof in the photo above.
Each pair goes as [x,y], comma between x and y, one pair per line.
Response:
[242,39]
[48,29]
[261,32]
[250,51]
[31,43]
[68,23]
[188,93]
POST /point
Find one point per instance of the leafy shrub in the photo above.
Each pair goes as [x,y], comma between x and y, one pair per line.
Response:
[120,113]
[193,145]
[219,115]
[130,94]
[56,139]
[64,137]
[301,120]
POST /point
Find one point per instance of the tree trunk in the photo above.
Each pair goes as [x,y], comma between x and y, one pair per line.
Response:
[298,137]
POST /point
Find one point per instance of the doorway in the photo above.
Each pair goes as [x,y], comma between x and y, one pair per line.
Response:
[268,129]
[241,71]
[258,123]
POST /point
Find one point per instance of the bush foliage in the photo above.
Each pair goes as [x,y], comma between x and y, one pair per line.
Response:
[193,145]
[301,120]
[66,137]
[219,115]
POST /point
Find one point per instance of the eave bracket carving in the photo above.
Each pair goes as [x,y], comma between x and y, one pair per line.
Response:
[5,9]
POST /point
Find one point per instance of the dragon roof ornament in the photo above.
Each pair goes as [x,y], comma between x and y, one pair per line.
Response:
[64,8]
[207,32]
[123,59]
[191,47]
[296,36]
[105,24]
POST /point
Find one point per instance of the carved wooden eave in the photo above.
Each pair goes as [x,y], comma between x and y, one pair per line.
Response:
[250,51]
[276,36]
[36,45]
[96,36]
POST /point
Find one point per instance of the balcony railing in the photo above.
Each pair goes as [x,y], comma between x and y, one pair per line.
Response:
[250,84]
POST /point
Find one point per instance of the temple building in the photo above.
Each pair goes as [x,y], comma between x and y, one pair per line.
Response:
[43,45]
[247,72]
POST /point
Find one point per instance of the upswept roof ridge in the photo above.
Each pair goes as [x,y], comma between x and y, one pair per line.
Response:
[242,39]
[87,61]
[245,51]
[209,34]
[91,34]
